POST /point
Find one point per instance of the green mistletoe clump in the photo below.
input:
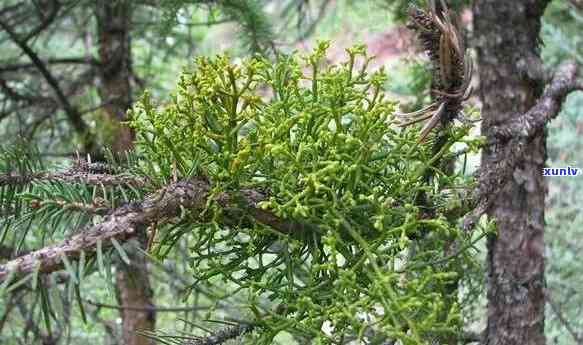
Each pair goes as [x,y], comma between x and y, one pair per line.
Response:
[319,144]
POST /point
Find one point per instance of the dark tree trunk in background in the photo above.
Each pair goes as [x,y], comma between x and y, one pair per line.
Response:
[133,287]
[133,290]
[113,31]
[507,39]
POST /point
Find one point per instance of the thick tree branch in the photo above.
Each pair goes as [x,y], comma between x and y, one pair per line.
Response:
[99,174]
[246,204]
[121,225]
[547,108]
[513,139]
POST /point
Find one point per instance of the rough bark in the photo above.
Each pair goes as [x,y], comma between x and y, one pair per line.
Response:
[121,225]
[113,31]
[133,288]
[516,135]
[507,39]
[547,108]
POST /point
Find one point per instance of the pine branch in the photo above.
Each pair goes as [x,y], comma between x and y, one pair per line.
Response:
[221,336]
[256,30]
[121,225]
[441,39]
[96,207]
[72,176]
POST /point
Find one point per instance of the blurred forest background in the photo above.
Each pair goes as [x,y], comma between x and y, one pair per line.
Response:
[70,69]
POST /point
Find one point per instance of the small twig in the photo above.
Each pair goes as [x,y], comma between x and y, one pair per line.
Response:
[513,138]
[577,336]
[97,207]
[70,111]
[72,176]
[148,309]
[82,165]
[547,107]
[221,336]
[55,61]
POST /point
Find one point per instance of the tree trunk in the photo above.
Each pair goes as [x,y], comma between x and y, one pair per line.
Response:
[507,39]
[134,296]
[113,31]
[133,287]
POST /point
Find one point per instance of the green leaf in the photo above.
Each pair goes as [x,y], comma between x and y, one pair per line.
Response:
[46,309]
[80,303]
[108,275]
[99,251]
[123,255]
[19,283]
[81,266]
[57,301]
[69,268]
[11,275]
